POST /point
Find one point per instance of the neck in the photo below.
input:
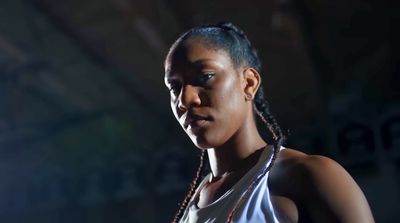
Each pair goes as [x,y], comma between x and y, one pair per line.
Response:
[238,154]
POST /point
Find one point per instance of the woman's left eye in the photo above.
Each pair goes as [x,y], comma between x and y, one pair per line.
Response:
[203,78]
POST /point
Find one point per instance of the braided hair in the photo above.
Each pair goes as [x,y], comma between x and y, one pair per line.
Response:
[231,39]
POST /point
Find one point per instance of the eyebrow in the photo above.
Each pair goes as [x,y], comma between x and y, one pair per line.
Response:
[170,77]
[195,63]
[202,61]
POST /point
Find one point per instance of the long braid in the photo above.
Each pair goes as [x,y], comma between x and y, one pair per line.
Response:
[261,107]
[192,189]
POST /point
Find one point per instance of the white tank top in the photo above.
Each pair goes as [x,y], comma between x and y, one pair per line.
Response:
[256,208]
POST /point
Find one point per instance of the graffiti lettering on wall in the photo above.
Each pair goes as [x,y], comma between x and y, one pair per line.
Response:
[365,141]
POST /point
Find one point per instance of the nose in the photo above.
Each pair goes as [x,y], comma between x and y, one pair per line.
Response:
[188,98]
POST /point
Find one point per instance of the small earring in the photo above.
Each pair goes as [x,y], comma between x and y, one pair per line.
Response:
[248,97]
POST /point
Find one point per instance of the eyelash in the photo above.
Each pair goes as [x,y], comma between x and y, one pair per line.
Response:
[204,78]
[201,80]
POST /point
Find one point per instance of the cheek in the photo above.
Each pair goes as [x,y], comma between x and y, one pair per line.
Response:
[230,100]
[232,115]
[231,109]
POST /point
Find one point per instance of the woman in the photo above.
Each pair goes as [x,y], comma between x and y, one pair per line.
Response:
[213,75]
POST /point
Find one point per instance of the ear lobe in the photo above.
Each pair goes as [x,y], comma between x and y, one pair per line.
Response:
[252,81]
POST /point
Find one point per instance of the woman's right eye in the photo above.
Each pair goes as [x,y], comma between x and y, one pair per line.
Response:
[175,89]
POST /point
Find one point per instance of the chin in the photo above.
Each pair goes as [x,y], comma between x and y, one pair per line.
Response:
[202,147]
[202,142]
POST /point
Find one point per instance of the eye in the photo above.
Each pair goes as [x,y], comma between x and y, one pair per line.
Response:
[204,78]
[175,88]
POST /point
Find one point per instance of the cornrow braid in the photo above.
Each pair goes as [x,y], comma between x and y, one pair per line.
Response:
[248,53]
[192,189]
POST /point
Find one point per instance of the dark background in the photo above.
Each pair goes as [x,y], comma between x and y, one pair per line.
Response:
[86,132]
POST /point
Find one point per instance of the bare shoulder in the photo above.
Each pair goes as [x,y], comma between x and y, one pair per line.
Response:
[296,163]
[303,167]
[320,185]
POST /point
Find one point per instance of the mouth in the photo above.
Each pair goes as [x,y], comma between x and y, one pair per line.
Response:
[193,121]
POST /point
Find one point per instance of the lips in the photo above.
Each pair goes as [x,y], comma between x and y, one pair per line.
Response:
[195,120]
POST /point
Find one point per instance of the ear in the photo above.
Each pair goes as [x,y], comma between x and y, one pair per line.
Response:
[252,81]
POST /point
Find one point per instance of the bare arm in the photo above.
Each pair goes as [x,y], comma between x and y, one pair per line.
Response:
[330,194]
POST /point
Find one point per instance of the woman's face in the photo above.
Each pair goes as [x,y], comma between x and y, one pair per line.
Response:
[207,93]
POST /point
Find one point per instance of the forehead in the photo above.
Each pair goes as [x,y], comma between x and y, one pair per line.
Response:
[192,53]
